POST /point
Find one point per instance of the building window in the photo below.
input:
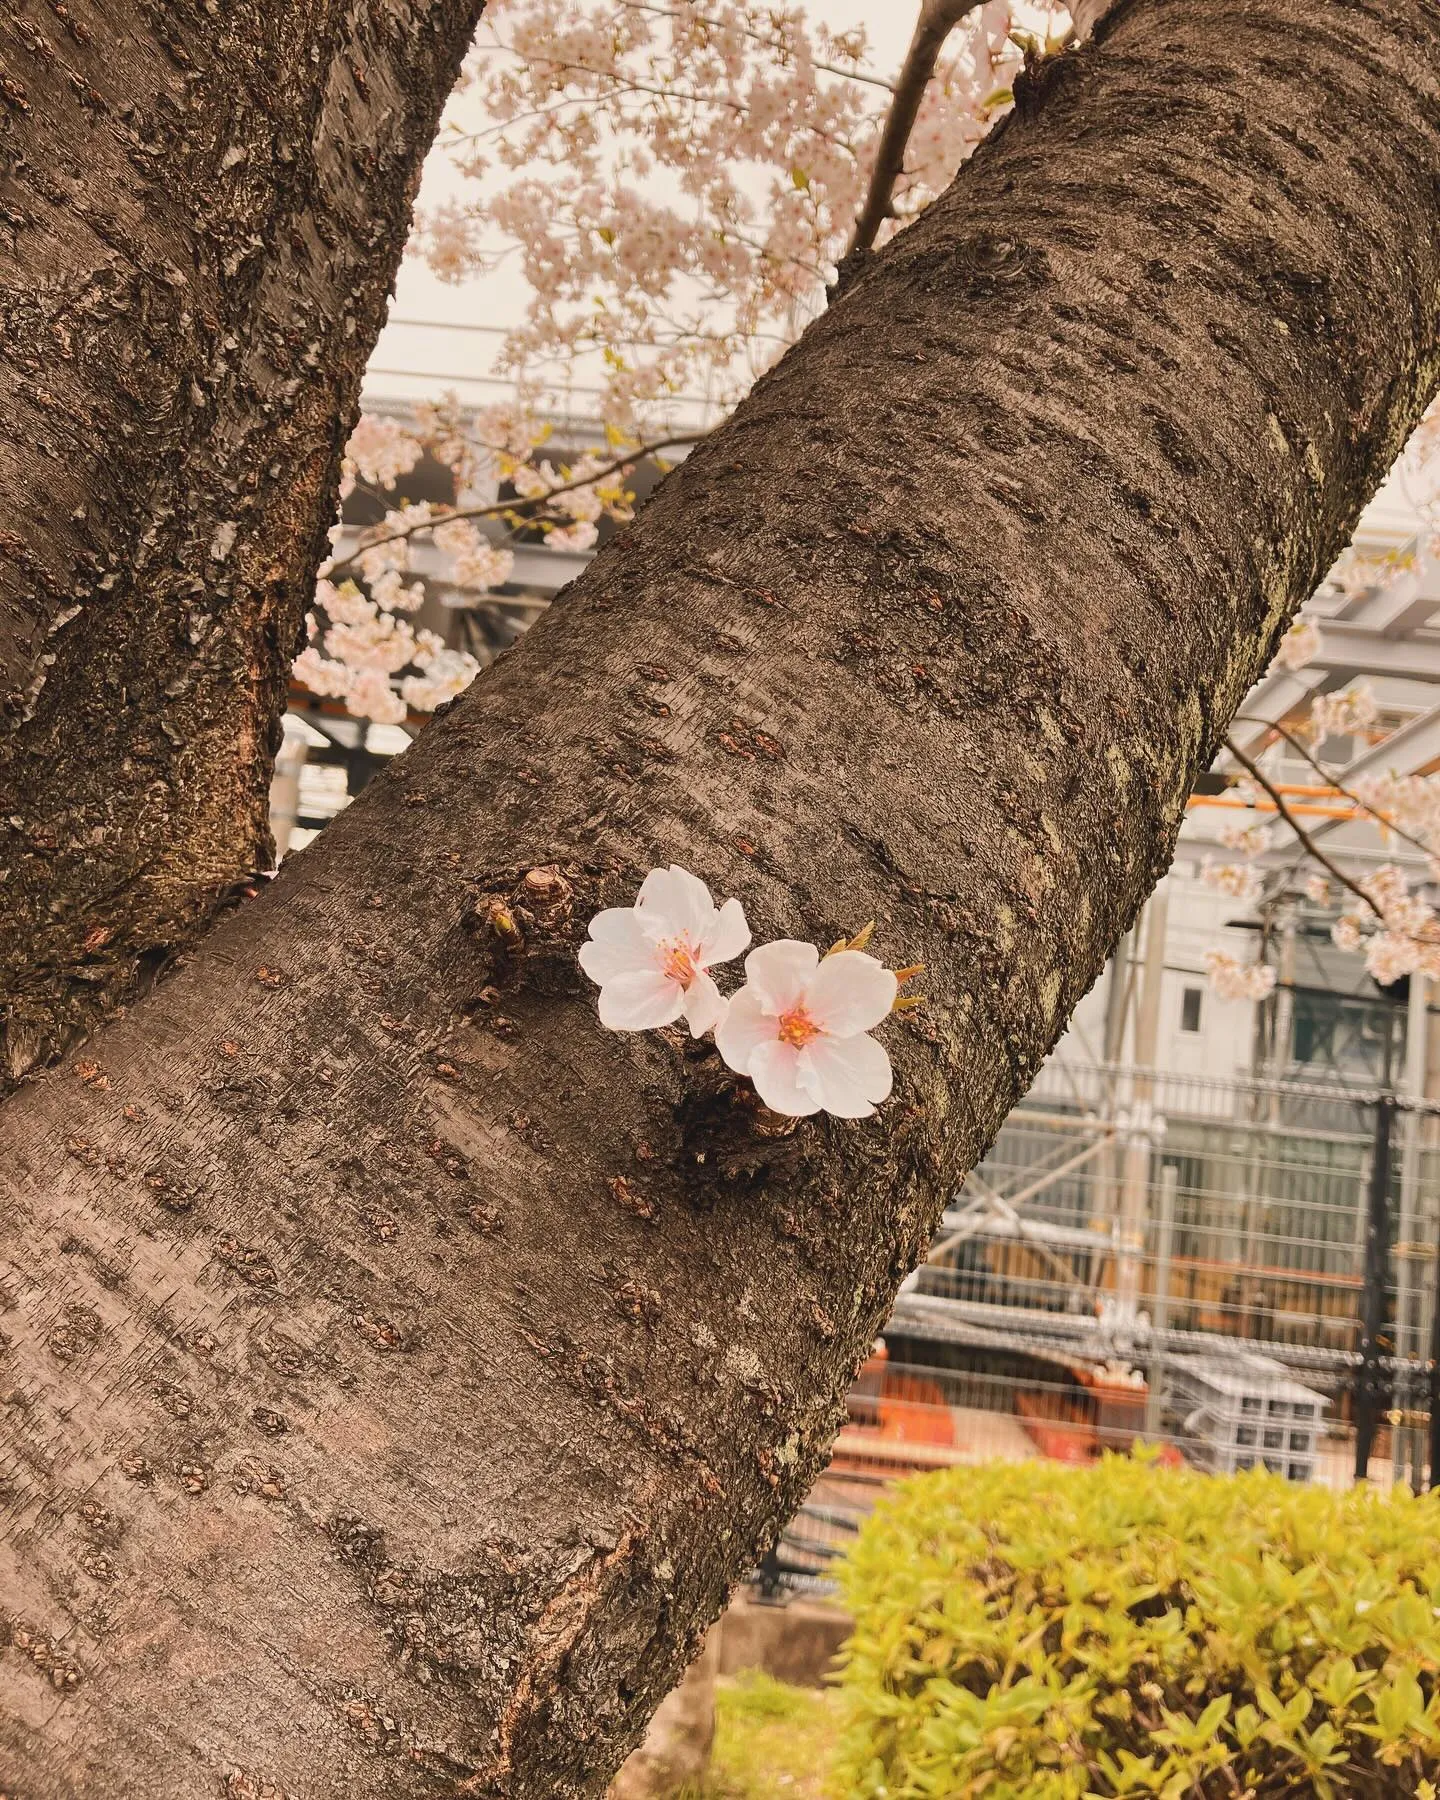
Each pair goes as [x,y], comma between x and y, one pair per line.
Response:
[1190,1009]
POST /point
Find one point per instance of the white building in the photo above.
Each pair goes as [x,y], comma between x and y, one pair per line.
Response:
[1328,1020]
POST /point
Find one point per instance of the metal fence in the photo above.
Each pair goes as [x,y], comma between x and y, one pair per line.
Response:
[1126,1220]
[1243,1273]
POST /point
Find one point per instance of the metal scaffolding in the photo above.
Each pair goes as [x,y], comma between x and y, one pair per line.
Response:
[1129,1220]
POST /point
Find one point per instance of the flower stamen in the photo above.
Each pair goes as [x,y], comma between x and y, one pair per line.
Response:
[679,960]
[797,1028]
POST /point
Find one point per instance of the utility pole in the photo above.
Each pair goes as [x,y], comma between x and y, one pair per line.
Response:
[1370,1388]
[1160,1303]
[1414,1246]
[1118,993]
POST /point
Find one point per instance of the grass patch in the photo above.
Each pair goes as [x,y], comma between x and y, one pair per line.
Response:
[772,1742]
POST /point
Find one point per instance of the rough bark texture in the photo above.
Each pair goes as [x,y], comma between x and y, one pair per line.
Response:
[203,206]
[398,1368]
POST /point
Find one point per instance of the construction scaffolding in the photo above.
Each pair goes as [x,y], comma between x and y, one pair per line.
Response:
[1127,1222]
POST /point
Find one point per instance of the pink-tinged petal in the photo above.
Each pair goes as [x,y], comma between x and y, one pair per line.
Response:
[807,1077]
[849,993]
[779,973]
[726,936]
[704,1008]
[619,947]
[854,1074]
[657,907]
[779,1080]
[616,925]
[744,1028]
[694,898]
[640,1002]
[674,903]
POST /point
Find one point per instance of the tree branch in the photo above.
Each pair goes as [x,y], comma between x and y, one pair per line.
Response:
[519,503]
[231,228]
[1299,747]
[1308,843]
[774,42]
[938,18]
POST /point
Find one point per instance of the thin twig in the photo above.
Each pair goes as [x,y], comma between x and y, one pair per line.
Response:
[519,503]
[938,18]
[1330,781]
[666,12]
[621,86]
[1256,774]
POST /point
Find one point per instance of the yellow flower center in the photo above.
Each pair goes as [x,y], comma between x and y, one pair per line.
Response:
[677,959]
[797,1028]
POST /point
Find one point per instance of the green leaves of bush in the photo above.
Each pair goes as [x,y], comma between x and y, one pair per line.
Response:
[1027,1632]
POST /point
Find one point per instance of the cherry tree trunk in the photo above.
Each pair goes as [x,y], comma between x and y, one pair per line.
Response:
[203,206]
[397,1368]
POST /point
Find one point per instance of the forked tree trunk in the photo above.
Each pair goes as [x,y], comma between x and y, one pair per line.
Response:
[203,206]
[399,1368]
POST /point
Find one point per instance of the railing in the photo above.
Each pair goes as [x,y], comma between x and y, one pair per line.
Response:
[1112,1271]
[1294,1219]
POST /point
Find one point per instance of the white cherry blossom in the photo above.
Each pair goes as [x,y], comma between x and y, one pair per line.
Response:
[1349,710]
[1300,645]
[1242,881]
[1251,838]
[1233,980]
[381,450]
[799,1029]
[652,961]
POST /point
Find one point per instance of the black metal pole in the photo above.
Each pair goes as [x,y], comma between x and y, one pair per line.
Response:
[1369,1396]
[1432,1372]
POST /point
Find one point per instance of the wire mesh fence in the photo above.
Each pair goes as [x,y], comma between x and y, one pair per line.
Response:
[1232,1209]
[1240,1273]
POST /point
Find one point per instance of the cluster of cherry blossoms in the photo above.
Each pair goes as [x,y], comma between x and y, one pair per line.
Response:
[676,183]
[360,647]
[1241,881]
[1343,713]
[799,1027]
[1394,927]
[1397,928]
[1250,838]
[359,643]
[1234,980]
[1409,803]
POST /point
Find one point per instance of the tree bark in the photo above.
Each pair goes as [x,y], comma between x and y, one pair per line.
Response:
[205,205]
[398,1368]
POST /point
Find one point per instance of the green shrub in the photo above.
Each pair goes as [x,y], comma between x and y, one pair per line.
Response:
[1026,1632]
